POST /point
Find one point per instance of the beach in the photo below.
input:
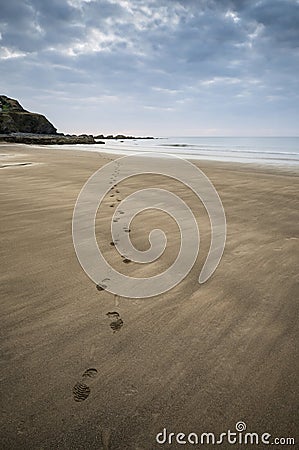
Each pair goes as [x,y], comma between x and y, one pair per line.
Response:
[198,358]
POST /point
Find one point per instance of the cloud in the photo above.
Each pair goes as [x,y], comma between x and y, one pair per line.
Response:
[154,56]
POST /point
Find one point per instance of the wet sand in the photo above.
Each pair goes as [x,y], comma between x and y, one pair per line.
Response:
[198,358]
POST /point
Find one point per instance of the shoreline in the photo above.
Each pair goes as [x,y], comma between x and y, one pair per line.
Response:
[291,169]
[117,149]
[197,358]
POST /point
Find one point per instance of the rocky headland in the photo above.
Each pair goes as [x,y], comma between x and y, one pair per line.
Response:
[15,119]
[17,125]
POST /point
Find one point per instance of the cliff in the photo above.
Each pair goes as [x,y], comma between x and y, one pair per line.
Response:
[17,125]
[15,119]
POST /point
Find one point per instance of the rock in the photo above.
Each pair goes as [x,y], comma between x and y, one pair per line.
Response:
[37,139]
[15,119]
[9,104]
[21,126]
[121,136]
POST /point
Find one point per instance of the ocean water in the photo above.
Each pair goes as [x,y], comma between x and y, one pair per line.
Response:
[258,150]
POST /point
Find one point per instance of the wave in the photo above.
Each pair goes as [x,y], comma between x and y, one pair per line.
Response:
[229,150]
[178,145]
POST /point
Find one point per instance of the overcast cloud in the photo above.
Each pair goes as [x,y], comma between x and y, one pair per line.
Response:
[162,67]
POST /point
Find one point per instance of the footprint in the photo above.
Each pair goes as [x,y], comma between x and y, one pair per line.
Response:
[112,315]
[126,261]
[90,373]
[81,390]
[101,286]
[117,323]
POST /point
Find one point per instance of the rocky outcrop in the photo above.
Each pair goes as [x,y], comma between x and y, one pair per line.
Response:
[120,136]
[10,105]
[18,125]
[15,119]
[56,139]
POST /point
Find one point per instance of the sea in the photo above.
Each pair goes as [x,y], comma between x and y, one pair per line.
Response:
[283,151]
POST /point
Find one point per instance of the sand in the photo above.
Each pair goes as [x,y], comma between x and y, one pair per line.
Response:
[198,358]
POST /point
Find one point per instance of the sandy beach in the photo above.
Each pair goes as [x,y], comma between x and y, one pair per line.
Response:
[198,358]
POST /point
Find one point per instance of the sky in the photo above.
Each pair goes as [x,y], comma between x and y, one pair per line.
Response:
[154,67]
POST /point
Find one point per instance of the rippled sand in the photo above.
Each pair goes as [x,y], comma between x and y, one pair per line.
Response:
[81,368]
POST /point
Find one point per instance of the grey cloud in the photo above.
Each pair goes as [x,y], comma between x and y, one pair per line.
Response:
[209,51]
